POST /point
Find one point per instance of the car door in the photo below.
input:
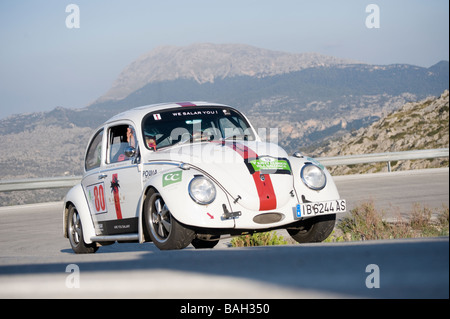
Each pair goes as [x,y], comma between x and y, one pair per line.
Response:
[92,183]
[121,181]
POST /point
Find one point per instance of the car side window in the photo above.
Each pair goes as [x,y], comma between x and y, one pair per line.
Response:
[120,138]
[94,152]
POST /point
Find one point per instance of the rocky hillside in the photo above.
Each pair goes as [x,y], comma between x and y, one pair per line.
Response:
[415,126]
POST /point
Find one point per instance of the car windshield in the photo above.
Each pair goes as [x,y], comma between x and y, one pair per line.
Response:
[199,124]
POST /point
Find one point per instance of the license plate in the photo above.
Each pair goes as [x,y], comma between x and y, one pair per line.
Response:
[321,208]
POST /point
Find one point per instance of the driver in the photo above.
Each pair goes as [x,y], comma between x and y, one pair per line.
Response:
[151,142]
[130,137]
[131,140]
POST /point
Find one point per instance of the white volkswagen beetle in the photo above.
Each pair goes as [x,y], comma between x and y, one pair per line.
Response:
[187,173]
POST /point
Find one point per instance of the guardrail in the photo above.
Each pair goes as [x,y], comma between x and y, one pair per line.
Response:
[383,157]
[38,183]
[69,181]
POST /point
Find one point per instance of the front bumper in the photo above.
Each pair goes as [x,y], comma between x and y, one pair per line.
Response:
[288,214]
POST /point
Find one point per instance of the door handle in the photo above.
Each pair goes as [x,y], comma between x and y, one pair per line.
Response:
[102,176]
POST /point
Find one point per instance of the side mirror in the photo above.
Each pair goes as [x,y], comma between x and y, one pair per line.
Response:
[130,151]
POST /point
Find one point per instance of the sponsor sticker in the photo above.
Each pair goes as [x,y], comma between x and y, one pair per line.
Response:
[270,165]
[146,174]
[171,178]
[195,113]
[115,190]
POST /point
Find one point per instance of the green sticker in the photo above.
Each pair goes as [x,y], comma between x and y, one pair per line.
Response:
[270,164]
[171,178]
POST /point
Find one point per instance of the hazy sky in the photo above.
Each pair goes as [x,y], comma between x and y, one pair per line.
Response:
[44,64]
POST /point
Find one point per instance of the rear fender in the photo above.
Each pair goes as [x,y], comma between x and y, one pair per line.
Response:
[76,197]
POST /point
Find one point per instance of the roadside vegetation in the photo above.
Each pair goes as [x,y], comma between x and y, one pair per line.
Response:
[365,222]
[259,239]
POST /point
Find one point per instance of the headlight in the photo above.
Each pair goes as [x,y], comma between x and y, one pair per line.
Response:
[202,190]
[313,176]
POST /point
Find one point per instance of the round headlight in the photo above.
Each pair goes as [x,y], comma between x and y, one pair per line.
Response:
[202,190]
[313,176]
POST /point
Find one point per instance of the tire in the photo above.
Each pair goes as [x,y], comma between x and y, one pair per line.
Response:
[200,243]
[162,228]
[313,230]
[75,234]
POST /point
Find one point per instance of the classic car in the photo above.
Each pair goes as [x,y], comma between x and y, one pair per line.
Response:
[186,173]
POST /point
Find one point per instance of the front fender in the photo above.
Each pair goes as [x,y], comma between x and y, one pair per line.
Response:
[329,192]
[76,197]
[173,186]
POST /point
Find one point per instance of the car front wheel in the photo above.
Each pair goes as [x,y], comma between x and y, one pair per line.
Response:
[162,228]
[313,230]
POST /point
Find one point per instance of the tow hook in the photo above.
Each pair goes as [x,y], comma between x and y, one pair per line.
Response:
[227,214]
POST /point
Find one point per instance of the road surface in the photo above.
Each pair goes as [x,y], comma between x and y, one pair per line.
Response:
[397,193]
[37,262]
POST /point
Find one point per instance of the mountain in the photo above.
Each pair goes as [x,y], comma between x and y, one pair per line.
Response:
[206,62]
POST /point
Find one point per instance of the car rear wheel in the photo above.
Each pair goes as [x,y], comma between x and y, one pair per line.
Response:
[313,230]
[75,233]
[162,228]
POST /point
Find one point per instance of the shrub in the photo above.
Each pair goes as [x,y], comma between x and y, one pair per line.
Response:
[258,239]
[365,223]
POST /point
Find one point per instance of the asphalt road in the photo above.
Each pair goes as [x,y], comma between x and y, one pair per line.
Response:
[37,262]
[397,193]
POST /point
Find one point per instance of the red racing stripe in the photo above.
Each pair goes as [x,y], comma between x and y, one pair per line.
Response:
[186,104]
[266,193]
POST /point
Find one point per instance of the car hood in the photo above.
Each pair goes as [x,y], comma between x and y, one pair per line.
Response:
[256,174]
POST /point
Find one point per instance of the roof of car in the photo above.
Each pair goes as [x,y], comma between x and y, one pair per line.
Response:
[138,112]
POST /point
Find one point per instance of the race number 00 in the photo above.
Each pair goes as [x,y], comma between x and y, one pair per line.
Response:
[96,195]
[99,197]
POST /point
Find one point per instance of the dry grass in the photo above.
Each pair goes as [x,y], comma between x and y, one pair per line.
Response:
[366,223]
[258,239]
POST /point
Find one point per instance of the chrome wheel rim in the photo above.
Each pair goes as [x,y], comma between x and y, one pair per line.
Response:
[161,220]
[75,228]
